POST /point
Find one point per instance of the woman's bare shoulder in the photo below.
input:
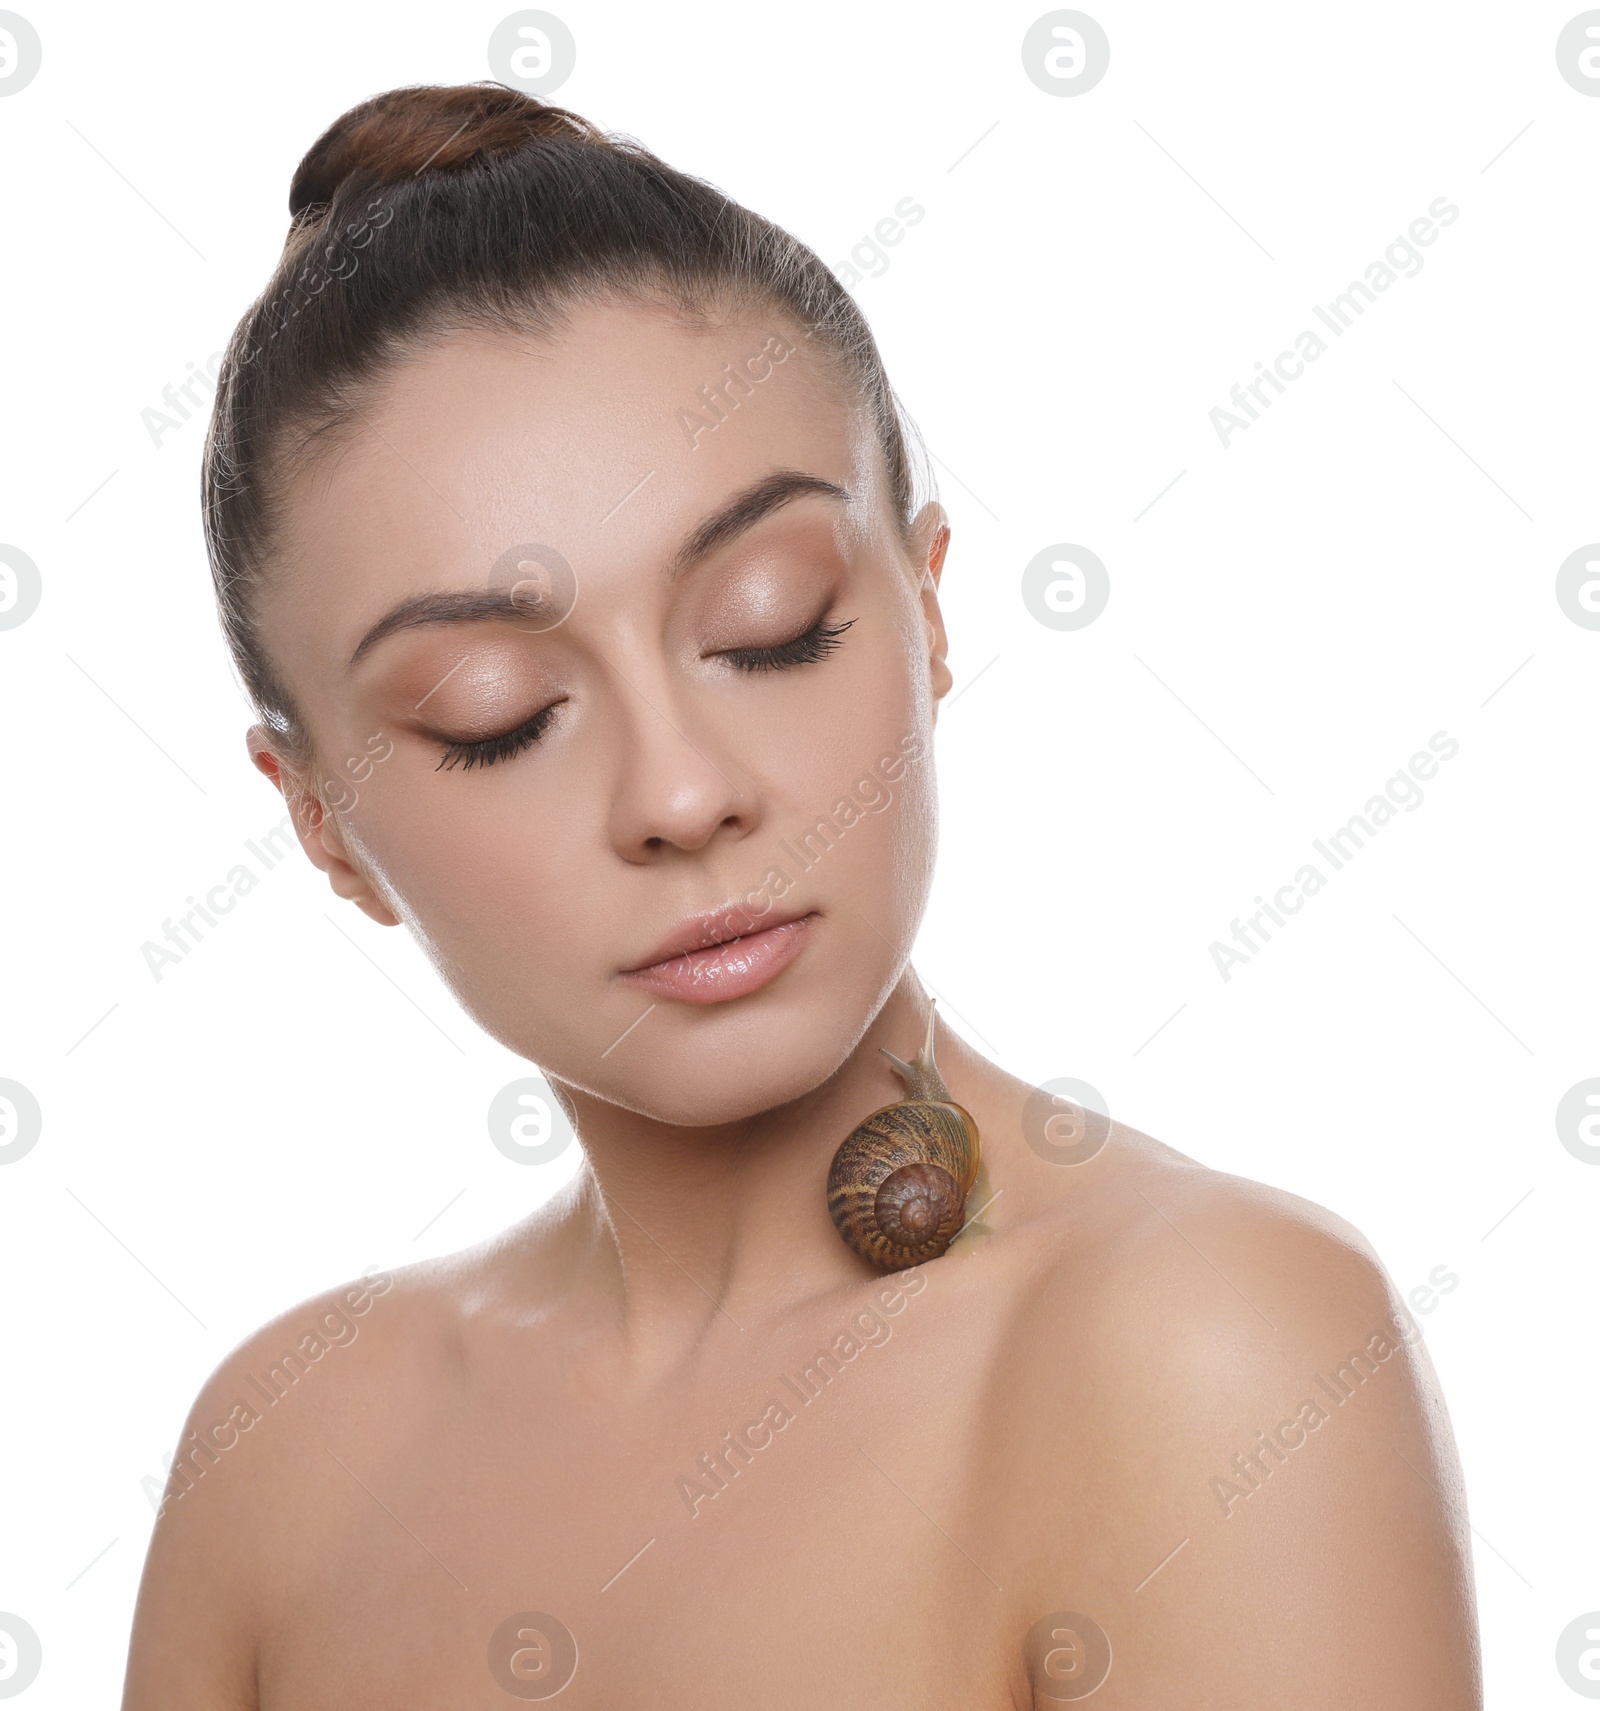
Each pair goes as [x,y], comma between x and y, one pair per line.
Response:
[1167,1275]
[1222,1389]
[342,1354]
[1164,1233]
[331,1379]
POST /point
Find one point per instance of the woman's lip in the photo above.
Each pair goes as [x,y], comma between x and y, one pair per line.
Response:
[727,970]
[706,932]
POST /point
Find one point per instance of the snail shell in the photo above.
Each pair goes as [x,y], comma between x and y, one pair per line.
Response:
[898,1187]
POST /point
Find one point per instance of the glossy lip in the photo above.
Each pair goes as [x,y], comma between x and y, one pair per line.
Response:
[715,927]
[701,962]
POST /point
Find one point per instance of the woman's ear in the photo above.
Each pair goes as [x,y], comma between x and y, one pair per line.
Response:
[317,829]
[930,538]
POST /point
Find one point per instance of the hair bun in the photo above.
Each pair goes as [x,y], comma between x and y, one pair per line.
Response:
[441,127]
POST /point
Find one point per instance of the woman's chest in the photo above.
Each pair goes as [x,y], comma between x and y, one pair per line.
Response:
[817,1525]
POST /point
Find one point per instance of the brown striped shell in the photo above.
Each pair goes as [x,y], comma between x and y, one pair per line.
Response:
[898,1187]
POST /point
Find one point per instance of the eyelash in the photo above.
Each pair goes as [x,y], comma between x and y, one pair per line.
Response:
[488,750]
[817,643]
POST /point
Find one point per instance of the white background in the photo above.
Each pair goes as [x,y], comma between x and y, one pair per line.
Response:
[1373,561]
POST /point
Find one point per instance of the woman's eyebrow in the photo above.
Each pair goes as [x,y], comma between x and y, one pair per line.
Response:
[742,512]
[745,510]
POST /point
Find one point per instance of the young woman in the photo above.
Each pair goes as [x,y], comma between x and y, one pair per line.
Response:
[571,498]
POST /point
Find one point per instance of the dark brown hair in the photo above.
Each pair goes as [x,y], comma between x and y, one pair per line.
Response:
[476,205]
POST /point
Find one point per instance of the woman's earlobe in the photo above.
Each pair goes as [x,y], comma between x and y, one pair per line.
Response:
[318,831]
[345,872]
[934,527]
[940,678]
[304,807]
[350,883]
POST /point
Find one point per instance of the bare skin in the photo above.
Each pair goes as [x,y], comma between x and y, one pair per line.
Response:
[1044,1421]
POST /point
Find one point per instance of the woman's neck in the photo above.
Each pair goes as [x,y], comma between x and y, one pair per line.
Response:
[677,1231]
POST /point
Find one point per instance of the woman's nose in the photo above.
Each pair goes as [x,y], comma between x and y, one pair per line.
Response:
[677,787]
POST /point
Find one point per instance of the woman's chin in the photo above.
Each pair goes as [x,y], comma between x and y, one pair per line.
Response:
[726,1096]
[709,1088]
[704,1064]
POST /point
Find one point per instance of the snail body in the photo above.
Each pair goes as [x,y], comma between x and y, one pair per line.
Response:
[898,1186]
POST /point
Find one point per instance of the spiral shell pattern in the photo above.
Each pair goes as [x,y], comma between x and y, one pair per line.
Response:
[898,1188]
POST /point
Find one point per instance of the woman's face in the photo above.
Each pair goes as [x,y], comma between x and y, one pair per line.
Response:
[574,661]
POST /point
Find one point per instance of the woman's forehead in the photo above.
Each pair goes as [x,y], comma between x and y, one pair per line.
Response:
[605,444]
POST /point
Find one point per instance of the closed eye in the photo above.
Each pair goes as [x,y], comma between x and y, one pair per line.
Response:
[486,751]
[817,642]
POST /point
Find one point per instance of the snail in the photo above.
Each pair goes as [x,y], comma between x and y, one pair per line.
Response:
[898,1187]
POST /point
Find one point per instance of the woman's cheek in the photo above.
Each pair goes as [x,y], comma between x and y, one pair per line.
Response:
[483,877]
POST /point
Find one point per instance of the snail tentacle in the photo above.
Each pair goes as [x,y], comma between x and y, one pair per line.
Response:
[921,1075]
